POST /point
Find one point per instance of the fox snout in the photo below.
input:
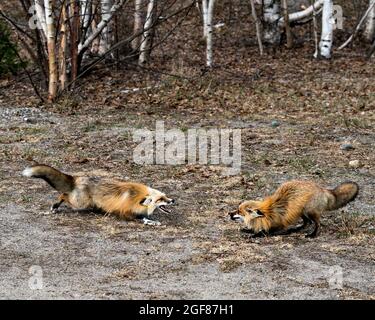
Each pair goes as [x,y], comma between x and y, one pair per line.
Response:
[235,216]
[163,207]
[231,214]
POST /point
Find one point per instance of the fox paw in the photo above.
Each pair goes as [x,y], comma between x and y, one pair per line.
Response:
[151,222]
[53,210]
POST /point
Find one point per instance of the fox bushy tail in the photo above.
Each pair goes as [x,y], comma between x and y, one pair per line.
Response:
[56,179]
[343,194]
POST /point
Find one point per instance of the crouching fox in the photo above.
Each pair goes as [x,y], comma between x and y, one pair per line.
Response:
[291,201]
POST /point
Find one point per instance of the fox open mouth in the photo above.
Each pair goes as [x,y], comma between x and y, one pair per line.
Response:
[164,209]
[236,217]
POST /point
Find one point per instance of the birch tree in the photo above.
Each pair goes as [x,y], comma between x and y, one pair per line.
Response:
[63,47]
[271,17]
[326,39]
[85,43]
[41,16]
[274,21]
[369,31]
[86,15]
[106,34]
[146,41]
[51,45]
[138,24]
[207,12]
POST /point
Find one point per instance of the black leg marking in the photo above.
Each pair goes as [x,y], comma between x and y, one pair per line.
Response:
[56,206]
[316,230]
[249,234]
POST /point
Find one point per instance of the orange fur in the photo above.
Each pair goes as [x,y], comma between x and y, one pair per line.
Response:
[294,200]
[124,199]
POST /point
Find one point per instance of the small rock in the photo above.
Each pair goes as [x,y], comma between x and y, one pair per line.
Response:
[29,120]
[354,164]
[275,124]
[346,146]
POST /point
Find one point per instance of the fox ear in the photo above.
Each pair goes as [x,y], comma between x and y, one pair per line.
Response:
[146,201]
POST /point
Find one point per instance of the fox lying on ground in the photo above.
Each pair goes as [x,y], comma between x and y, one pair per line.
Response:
[291,201]
[127,200]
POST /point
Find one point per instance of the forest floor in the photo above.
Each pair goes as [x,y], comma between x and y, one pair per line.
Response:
[294,114]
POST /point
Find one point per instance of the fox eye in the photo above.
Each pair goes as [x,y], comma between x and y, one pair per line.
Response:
[145,201]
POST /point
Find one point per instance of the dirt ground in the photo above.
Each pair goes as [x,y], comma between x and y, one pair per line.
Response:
[294,114]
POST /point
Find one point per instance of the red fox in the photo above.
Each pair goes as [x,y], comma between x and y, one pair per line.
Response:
[127,200]
[291,201]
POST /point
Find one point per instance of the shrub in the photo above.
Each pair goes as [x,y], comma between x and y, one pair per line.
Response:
[9,61]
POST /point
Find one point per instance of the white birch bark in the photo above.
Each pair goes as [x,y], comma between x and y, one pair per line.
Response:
[145,43]
[274,22]
[369,31]
[51,44]
[204,15]
[209,30]
[138,5]
[85,43]
[271,17]
[105,39]
[326,40]
[309,11]
[40,13]
[86,14]
[316,40]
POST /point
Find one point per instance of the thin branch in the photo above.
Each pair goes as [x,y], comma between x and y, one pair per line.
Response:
[363,19]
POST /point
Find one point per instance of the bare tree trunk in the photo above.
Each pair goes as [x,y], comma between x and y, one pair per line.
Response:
[51,44]
[271,17]
[147,34]
[289,38]
[315,26]
[86,16]
[96,41]
[326,39]
[106,36]
[369,31]
[210,13]
[63,47]
[74,30]
[85,43]
[257,26]
[204,15]
[207,13]
[138,24]
[41,15]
